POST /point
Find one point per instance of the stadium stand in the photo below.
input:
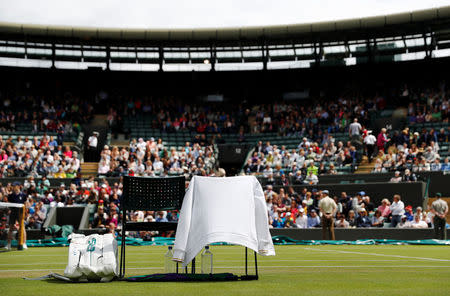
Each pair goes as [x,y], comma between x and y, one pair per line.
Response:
[296,126]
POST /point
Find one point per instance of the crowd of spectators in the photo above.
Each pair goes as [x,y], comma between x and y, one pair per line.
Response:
[413,152]
[40,196]
[153,158]
[37,157]
[173,114]
[291,209]
[104,197]
[286,119]
[40,114]
[416,149]
[303,164]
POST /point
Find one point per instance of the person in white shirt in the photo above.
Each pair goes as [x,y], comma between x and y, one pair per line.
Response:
[354,129]
[27,143]
[302,219]
[370,141]
[103,167]
[328,208]
[418,222]
[311,179]
[397,178]
[142,144]
[404,223]
[158,165]
[304,144]
[397,209]
[75,162]
[92,147]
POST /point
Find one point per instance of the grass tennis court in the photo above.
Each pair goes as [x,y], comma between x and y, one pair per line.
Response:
[296,270]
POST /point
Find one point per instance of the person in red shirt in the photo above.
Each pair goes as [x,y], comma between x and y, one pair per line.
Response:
[382,139]
[67,152]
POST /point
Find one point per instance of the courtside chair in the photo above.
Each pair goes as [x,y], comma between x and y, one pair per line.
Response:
[149,194]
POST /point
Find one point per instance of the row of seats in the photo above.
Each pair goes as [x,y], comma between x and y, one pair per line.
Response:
[72,137]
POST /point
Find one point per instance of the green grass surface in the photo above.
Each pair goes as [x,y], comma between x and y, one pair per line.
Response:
[295,270]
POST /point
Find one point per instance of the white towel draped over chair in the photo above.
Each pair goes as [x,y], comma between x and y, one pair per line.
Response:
[231,210]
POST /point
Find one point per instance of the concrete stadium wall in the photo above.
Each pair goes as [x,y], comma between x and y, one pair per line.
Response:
[352,234]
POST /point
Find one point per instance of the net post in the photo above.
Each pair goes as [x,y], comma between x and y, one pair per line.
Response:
[21,229]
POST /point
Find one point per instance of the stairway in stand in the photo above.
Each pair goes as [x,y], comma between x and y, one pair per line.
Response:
[365,167]
[89,169]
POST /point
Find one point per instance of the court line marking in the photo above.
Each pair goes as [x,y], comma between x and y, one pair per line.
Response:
[265,261]
[263,267]
[378,254]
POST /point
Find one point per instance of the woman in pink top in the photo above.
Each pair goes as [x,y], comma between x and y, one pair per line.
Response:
[68,152]
[384,208]
[3,156]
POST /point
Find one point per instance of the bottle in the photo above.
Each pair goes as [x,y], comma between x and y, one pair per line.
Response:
[207,263]
[169,265]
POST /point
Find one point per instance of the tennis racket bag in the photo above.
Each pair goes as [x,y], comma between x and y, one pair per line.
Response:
[92,257]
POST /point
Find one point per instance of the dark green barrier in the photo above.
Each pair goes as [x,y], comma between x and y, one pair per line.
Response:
[411,193]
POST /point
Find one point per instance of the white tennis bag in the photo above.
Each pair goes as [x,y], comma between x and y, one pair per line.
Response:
[92,257]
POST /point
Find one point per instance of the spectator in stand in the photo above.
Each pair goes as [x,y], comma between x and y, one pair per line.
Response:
[377,219]
[396,178]
[382,139]
[355,130]
[100,218]
[368,205]
[418,222]
[341,222]
[370,142]
[313,219]
[351,218]
[385,208]
[409,177]
[363,220]
[311,179]
[301,220]
[446,165]
[409,213]
[404,223]
[397,209]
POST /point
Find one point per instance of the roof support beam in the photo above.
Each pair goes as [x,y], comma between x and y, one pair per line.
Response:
[108,57]
[213,58]
[53,56]
[161,59]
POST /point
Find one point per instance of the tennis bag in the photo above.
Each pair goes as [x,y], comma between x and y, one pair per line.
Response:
[92,257]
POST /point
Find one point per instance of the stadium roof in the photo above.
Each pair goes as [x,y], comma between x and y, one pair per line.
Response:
[417,31]
[377,26]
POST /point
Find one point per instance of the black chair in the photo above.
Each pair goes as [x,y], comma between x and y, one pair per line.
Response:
[149,194]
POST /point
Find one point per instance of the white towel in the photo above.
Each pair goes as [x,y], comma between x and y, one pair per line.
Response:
[231,210]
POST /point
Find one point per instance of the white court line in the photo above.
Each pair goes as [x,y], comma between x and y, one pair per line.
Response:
[268,261]
[377,254]
[263,267]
